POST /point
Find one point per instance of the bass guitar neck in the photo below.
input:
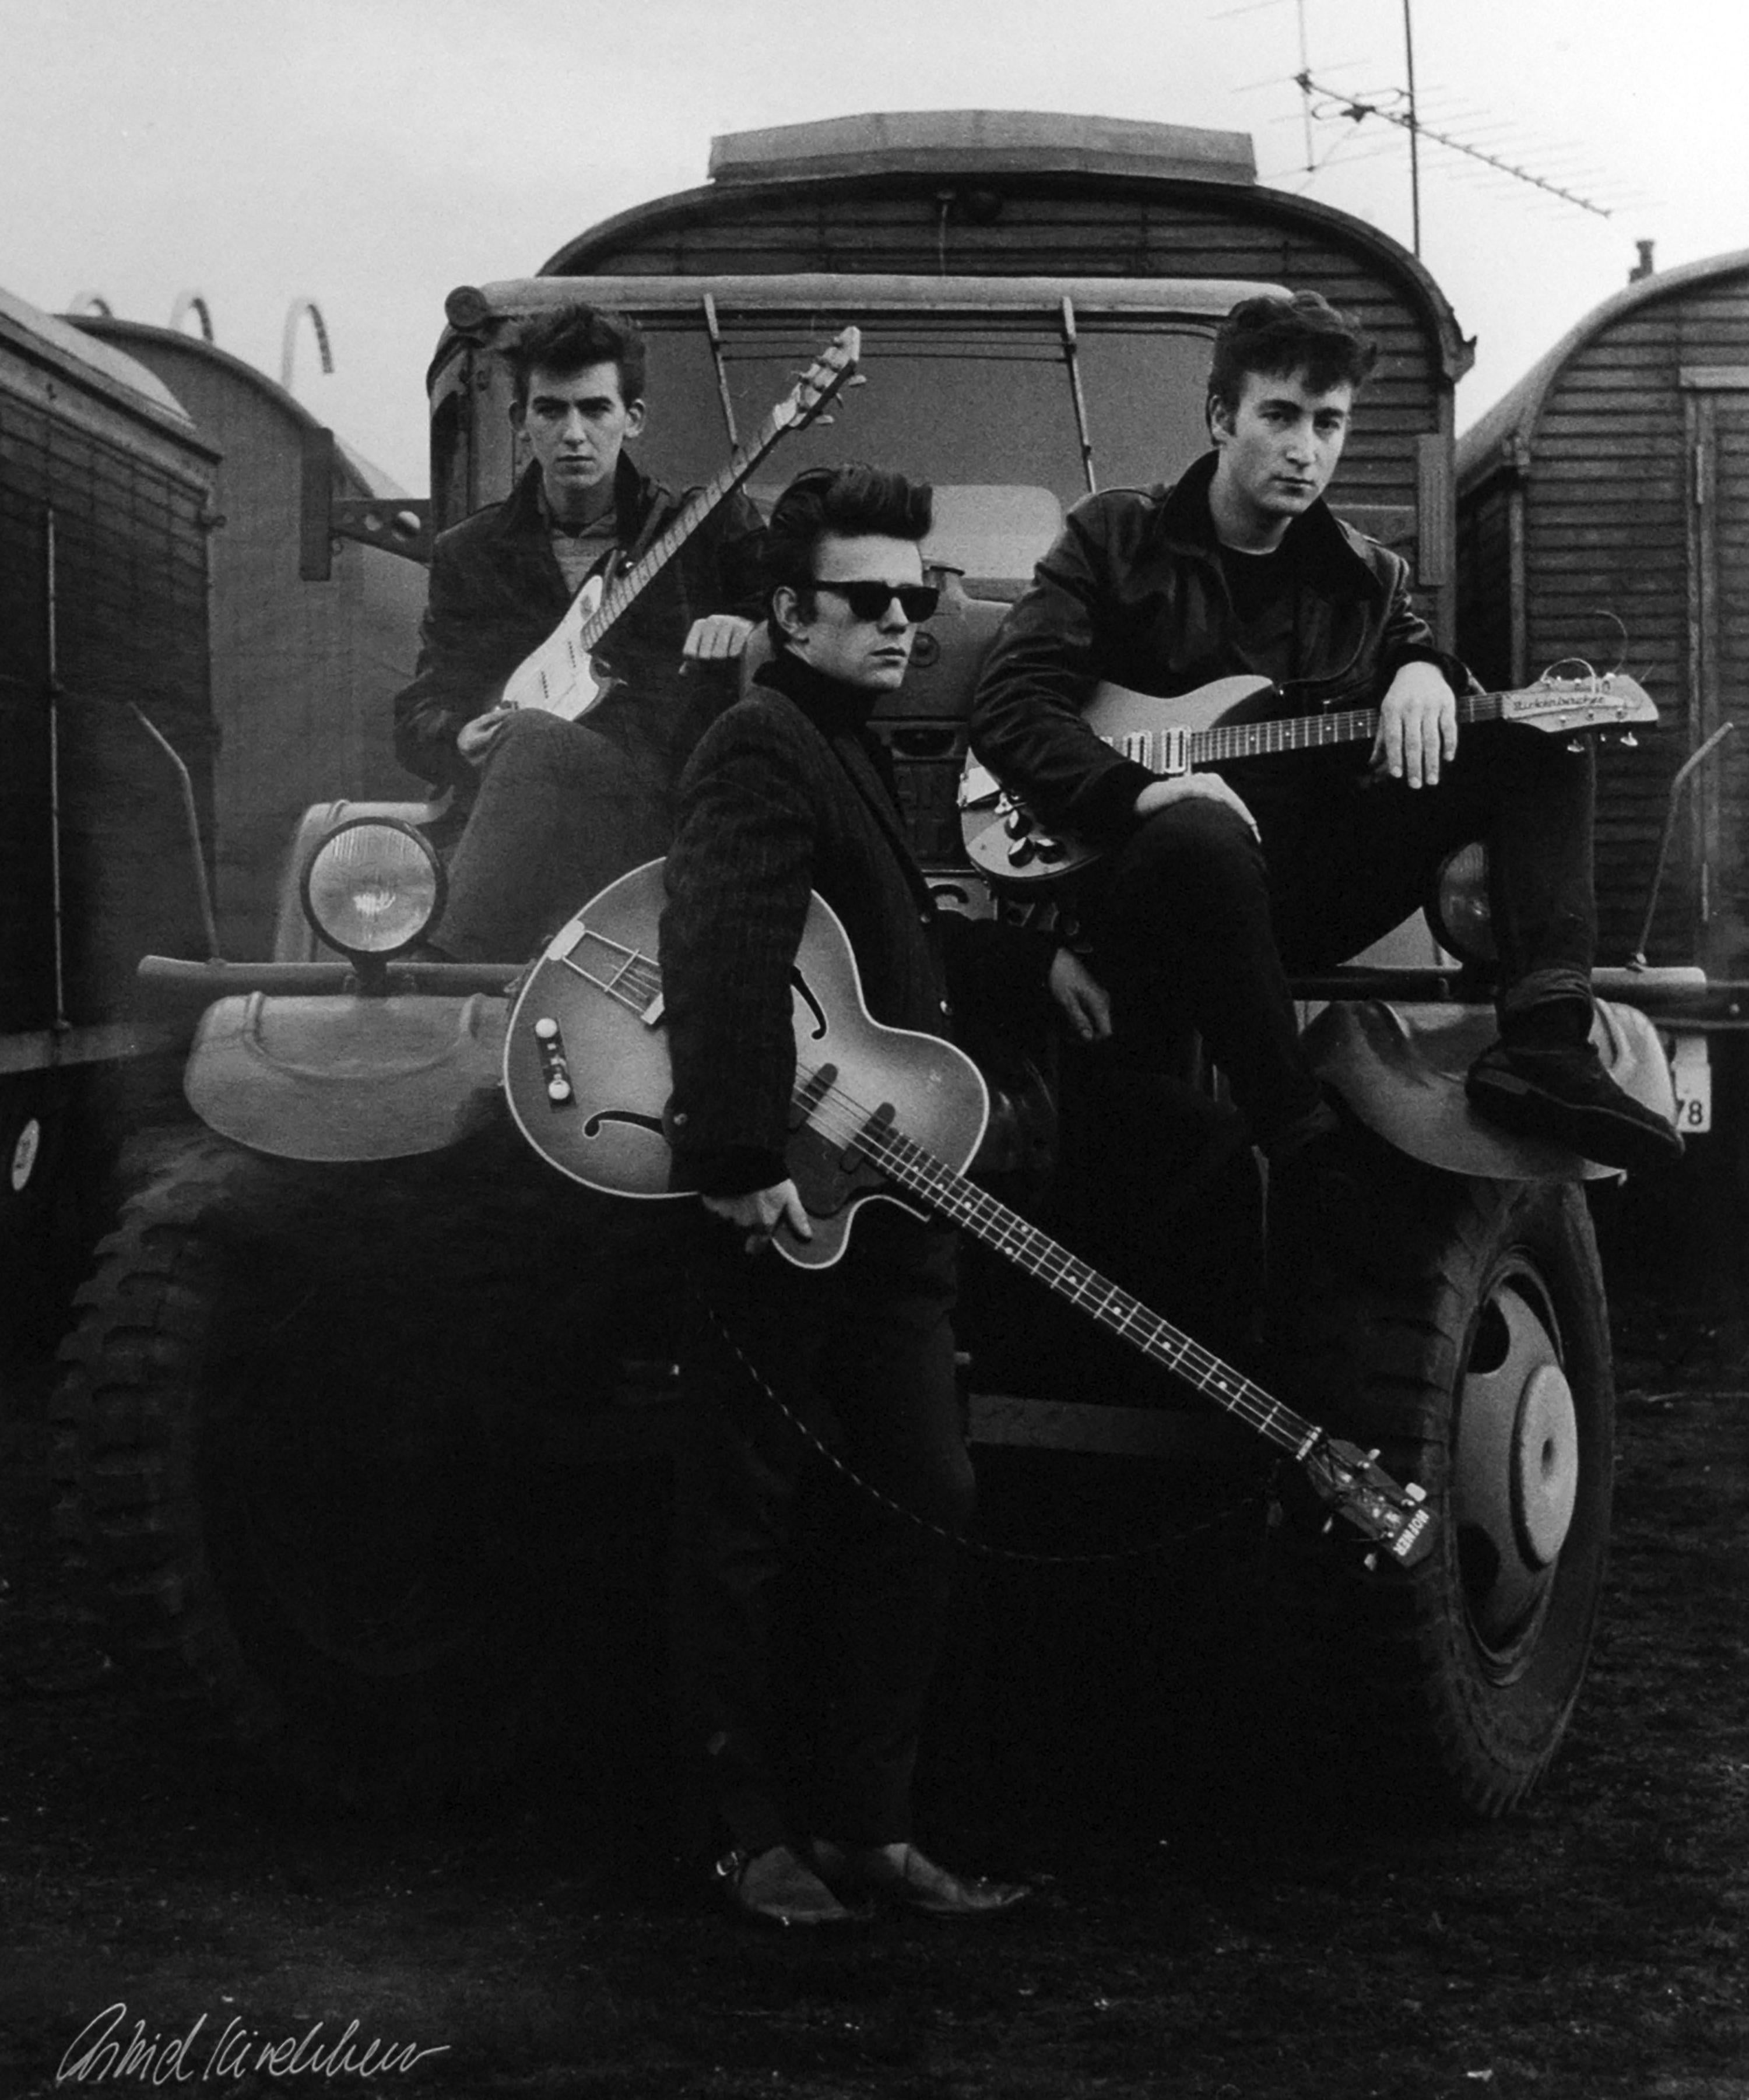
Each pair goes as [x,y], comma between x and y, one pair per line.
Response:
[876,1112]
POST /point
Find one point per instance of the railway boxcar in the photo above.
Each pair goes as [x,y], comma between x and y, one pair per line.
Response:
[106,750]
[1603,510]
[302,675]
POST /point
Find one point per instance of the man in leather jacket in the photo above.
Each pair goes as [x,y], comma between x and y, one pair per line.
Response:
[1212,884]
[563,807]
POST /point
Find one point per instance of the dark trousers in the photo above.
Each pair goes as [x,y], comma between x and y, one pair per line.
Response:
[1197,923]
[562,810]
[863,1352]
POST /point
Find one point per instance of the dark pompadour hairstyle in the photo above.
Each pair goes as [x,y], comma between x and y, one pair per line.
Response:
[848,500]
[570,337]
[1303,333]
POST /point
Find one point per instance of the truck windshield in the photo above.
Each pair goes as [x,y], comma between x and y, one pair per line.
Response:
[981,401]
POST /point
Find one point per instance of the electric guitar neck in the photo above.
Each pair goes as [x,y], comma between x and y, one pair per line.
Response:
[1225,721]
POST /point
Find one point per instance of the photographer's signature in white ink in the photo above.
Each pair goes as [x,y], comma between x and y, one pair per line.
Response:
[105,2048]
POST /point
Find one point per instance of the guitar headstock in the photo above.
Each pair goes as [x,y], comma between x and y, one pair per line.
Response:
[1358,1488]
[823,382]
[1561,705]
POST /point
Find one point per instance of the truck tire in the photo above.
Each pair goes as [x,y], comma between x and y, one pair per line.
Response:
[1465,1336]
[290,1532]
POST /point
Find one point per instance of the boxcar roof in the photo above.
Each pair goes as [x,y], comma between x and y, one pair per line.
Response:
[103,330]
[96,366]
[886,154]
[960,141]
[1503,434]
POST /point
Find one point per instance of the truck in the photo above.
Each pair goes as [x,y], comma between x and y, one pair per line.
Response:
[361,1387]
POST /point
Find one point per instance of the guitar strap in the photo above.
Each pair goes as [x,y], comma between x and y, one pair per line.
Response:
[978,1549]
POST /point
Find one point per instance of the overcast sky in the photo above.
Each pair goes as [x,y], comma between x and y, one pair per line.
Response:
[370,154]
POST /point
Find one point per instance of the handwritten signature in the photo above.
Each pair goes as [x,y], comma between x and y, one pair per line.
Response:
[102,2050]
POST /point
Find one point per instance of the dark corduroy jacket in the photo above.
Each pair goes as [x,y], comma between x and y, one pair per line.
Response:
[497,591]
[1132,592]
[790,792]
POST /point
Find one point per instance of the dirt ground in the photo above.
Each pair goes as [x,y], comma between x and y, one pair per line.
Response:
[1211,1920]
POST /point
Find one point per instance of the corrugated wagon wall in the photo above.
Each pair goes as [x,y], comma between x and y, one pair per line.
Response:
[304,674]
[1612,526]
[1714,378]
[125,597]
[1485,583]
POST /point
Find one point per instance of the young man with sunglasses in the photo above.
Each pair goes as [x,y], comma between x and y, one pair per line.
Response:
[1214,883]
[790,792]
[560,808]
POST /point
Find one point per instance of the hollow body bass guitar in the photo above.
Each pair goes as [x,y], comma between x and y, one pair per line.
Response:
[876,1112]
[562,677]
[1228,719]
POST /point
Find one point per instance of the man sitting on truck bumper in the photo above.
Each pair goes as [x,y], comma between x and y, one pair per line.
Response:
[564,806]
[1214,883]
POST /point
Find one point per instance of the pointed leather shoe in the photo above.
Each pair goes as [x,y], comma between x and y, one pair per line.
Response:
[906,1879]
[1566,1095]
[777,1887]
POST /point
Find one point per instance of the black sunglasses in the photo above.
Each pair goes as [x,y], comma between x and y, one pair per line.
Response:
[869,601]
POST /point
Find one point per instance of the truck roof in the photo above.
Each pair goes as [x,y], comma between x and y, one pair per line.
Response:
[475,309]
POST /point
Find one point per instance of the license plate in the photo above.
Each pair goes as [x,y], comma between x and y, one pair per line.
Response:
[1691,1072]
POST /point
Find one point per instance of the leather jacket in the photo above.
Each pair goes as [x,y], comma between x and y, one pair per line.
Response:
[1133,594]
[496,591]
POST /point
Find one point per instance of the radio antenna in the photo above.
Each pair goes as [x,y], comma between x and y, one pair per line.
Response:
[1402,107]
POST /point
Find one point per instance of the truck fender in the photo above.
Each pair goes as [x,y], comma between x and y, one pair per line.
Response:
[350,1078]
[1401,1069]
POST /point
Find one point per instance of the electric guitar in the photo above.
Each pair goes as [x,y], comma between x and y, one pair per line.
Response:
[561,677]
[1224,720]
[878,1112]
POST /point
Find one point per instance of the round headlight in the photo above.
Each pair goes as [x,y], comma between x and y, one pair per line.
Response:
[1460,912]
[372,887]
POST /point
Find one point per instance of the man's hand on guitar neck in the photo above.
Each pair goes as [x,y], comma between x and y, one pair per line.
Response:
[1418,727]
[760,1213]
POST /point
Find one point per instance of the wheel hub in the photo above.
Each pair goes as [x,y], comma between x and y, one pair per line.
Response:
[1516,1467]
[1545,1474]
[25,1153]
